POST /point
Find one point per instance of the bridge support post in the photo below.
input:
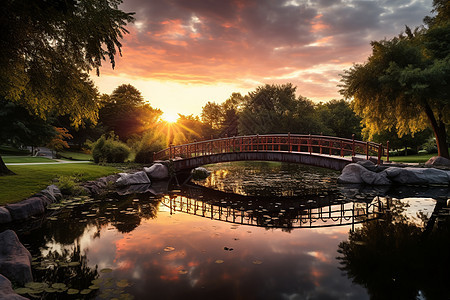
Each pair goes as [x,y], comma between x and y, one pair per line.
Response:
[367,150]
[353,144]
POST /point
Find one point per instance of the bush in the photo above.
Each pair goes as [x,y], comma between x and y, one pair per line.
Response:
[149,144]
[68,185]
[108,149]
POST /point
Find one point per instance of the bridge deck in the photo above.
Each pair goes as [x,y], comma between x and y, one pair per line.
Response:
[322,151]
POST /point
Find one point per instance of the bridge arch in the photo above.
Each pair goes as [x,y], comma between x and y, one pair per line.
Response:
[321,151]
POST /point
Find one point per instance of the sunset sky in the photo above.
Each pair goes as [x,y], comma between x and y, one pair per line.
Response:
[183,53]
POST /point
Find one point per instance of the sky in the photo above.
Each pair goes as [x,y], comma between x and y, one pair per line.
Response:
[183,53]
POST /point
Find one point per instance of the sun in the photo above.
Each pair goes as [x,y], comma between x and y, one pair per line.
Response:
[170,117]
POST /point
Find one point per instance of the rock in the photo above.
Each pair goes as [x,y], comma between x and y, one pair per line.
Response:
[5,216]
[157,171]
[15,259]
[6,291]
[418,175]
[52,192]
[356,173]
[200,173]
[25,209]
[136,178]
[438,161]
[369,165]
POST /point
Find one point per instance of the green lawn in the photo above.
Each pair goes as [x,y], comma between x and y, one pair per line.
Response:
[75,155]
[419,158]
[25,159]
[7,150]
[33,178]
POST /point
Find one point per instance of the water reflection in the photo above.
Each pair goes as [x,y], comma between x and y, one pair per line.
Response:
[281,212]
[397,259]
[169,247]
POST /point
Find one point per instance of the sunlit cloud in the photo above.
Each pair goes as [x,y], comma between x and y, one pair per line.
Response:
[185,53]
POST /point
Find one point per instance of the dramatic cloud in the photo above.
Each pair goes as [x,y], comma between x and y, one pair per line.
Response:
[251,42]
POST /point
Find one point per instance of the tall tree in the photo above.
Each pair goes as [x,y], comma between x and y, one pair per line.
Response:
[339,119]
[126,113]
[404,83]
[276,109]
[48,48]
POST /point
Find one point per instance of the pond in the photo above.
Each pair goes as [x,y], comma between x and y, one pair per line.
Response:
[250,231]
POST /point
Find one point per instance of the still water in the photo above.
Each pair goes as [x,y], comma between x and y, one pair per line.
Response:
[250,231]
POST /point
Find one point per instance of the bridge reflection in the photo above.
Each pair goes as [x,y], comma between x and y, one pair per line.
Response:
[284,213]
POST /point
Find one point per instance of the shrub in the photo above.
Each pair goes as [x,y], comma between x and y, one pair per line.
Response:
[108,149]
[68,185]
[149,144]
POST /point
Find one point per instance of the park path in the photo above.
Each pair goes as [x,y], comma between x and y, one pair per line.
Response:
[56,162]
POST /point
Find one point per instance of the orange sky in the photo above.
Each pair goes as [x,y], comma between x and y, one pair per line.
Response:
[181,54]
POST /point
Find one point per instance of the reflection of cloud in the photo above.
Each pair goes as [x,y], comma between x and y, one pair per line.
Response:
[296,263]
[239,41]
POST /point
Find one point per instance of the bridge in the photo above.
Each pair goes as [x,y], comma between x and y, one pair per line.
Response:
[316,150]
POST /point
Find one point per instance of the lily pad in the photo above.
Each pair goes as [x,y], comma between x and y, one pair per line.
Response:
[85,291]
[72,291]
[59,286]
[182,272]
[97,281]
[168,249]
[74,264]
[23,290]
[106,270]
[219,261]
[257,262]
[36,285]
[94,287]
[122,283]
[50,290]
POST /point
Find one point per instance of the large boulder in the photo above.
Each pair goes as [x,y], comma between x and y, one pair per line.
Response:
[438,161]
[5,216]
[356,173]
[15,259]
[418,175]
[25,209]
[157,171]
[6,291]
[129,179]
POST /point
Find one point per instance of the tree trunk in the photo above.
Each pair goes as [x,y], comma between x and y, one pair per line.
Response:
[439,132]
[4,169]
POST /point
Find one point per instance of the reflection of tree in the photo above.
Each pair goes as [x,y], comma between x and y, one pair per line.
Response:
[56,268]
[394,259]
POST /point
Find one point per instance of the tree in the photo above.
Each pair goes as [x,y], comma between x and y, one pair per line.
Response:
[58,142]
[126,113]
[275,109]
[404,83]
[48,48]
[339,119]
[19,128]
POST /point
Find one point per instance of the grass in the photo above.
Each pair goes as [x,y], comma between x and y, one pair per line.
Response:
[75,155]
[26,159]
[33,178]
[418,158]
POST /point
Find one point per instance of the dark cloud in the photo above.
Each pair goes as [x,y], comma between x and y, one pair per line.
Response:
[252,40]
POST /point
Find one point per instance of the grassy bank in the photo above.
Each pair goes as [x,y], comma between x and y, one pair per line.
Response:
[33,178]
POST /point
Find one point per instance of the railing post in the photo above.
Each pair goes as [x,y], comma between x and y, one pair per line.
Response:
[195,148]
[330,144]
[289,142]
[353,144]
[257,142]
[387,151]
[380,151]
[170,151]
[367,150]
[309,144]
[342,149]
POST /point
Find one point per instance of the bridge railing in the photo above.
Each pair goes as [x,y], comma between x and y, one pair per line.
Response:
[317,144]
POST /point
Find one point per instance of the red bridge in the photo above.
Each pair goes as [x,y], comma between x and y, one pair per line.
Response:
[321,151]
